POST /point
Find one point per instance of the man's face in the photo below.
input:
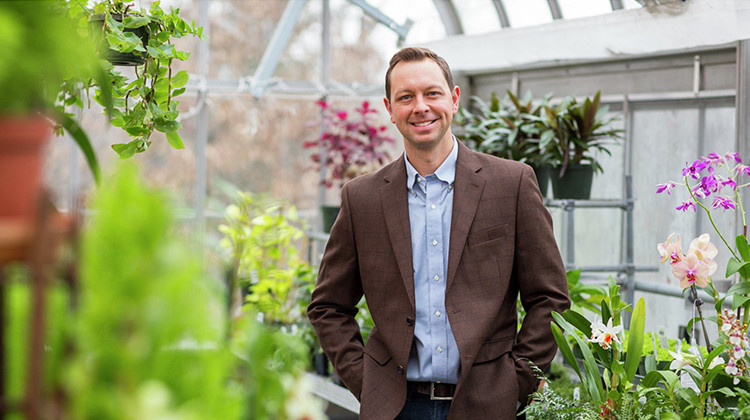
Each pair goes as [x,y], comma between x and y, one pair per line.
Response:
[422,105]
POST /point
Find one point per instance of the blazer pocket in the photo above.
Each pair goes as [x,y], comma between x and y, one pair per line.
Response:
[491,350]
[487,235]
[377,351]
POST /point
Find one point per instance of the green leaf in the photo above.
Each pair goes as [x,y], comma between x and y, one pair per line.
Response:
[125,150]
[134,21]
[739,300]
[565,349]
[734,266]
[635,340]
[579,321]
[80,137]
[180,79]
[591,370]
[174,140]
[741,287]
[167,126]
[742,247]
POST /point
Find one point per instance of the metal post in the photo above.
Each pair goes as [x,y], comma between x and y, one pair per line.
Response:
[325,62]
[201,135]
[570,233]
[629,249]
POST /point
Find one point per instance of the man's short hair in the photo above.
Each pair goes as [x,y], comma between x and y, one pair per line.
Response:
[416,54]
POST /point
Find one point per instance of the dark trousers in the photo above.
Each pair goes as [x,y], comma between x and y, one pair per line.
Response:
[420,407]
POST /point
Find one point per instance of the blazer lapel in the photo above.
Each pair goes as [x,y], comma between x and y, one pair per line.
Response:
[467,190]
[396,212]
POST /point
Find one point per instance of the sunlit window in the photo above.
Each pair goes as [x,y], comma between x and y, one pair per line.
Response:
[527,12]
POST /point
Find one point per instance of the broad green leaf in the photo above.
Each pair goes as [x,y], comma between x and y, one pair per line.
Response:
[134,21]
[180,79]
[579,321]
[739,300]
[565,349]
[742,247]
[741,287]
[80,137]
[591,370]
[734,266]
[635,339]
[167,126]
[124,150]
[174,140]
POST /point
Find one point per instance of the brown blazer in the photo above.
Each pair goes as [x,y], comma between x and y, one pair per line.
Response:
[501,244]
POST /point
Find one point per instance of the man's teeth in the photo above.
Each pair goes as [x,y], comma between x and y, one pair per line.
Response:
[423,123]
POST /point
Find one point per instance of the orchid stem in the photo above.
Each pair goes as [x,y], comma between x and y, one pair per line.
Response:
[698,302]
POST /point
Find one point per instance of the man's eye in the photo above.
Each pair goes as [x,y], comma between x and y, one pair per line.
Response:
[404,97]
[435,93]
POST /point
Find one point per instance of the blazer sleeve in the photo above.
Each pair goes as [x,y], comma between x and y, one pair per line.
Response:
[542,283]
[333,304]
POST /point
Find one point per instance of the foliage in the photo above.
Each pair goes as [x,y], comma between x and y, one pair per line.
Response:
[147,102]
[352,146]
[508,129]
[579,130]
[262,235]
[41,50]
[605,346]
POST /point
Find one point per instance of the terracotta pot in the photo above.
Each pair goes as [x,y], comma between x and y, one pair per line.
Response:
[22,141]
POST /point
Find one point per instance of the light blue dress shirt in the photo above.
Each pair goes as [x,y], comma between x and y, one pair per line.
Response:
[434,354]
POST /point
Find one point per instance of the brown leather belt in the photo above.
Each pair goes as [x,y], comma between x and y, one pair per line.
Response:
[435,390]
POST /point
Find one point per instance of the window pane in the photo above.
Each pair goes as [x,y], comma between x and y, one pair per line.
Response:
[572,9]
[527,12]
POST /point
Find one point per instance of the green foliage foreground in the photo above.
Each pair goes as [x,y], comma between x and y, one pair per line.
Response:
[149,339]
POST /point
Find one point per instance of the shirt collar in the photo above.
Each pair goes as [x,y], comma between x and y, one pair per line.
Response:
[446,172]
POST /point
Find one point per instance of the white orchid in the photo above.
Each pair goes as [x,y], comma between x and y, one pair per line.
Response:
[605,335]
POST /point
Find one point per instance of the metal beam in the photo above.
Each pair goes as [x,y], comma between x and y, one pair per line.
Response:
[449,16]
[501,14]
[554,8]
[375,13]
[278,42]
[616,4]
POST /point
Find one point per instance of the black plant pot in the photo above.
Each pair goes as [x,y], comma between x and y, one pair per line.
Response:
[575,184]
[329,216]
[542,177]
[118,58]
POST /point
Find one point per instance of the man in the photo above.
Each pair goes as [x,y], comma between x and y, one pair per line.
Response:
[441,242]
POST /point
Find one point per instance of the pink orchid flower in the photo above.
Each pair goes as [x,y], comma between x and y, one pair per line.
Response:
[669,251]
[691,271]
[705,251]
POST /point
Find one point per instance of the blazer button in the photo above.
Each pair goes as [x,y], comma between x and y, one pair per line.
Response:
[409,321]
[400,370]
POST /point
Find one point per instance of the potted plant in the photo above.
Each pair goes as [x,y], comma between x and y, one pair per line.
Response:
[508,129]
[146,102]
[580,130]
[41,49]
[353,146]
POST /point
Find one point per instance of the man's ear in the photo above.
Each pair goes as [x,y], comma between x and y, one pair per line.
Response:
[455,95]
[388,108]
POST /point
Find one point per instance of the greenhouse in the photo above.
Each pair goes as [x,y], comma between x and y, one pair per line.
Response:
[204,212]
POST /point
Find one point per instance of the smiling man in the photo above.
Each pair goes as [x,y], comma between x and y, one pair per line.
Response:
[441,242]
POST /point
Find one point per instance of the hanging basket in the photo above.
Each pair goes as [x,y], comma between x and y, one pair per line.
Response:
[22,141]
[118,58]
[575,184]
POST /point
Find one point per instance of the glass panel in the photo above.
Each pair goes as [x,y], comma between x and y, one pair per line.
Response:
[572,9]
[631,4]
[477,16]
[527,12]
[427,25]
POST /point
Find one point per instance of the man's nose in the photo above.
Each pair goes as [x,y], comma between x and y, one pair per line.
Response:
[420,104]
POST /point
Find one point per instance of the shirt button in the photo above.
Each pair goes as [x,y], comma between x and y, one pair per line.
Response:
[434,242]
[439,349]
[436,278]
[400,369]
[450,187]
[437,314]
[433,207]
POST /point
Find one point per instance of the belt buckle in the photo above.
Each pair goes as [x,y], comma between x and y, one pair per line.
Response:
[434,398]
